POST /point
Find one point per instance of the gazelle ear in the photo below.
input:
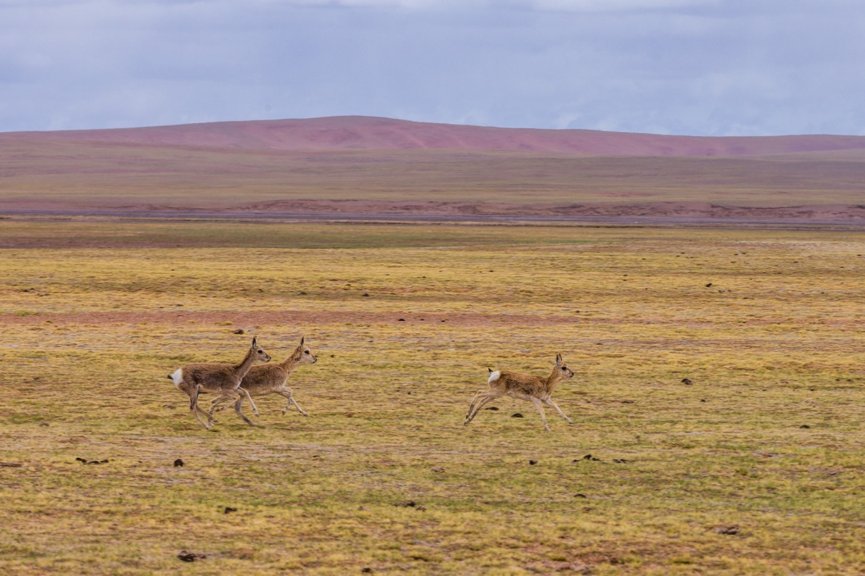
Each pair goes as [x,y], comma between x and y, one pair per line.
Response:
[253,341]
[559,360]
[490,370]
[301,340]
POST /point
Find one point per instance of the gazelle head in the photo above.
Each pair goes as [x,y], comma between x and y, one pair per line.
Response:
[304,354]
[258,351]
[562,371]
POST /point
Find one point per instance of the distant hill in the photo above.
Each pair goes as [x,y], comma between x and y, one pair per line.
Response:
[377,168]
[367,133]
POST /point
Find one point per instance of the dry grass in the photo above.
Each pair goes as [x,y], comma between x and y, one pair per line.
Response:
[767,438]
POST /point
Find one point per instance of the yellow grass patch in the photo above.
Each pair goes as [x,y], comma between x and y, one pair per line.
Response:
[755,466]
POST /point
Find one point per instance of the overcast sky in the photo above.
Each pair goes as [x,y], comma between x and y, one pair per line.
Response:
[710,67]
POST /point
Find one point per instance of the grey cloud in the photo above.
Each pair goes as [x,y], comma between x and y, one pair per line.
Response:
[673,66]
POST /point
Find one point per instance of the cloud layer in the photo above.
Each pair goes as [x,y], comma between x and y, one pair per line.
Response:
[710,67]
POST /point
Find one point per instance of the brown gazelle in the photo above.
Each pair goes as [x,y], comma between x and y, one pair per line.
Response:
[272,378]
[221,379]
[524,387]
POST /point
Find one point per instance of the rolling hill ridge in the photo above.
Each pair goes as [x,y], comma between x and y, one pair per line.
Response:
[378,168]
[370,133]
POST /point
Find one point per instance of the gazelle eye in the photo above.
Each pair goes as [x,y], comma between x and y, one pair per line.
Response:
[306,351]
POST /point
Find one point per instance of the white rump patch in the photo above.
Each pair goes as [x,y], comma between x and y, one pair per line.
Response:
[495,375]
[177,377]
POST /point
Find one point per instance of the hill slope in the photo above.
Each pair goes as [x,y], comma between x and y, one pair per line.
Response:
[367,133]
[373,167]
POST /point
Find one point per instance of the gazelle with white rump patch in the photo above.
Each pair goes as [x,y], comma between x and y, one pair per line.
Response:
[272,378]
[221,379]
[537,390]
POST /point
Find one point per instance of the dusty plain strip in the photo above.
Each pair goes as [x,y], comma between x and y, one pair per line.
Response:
[641,214]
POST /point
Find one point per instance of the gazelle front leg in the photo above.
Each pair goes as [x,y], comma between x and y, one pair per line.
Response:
[217,403]
[289,400]
[241,392]
[549,402]
[227,397]
[540,406]
[245,392]
[238,405]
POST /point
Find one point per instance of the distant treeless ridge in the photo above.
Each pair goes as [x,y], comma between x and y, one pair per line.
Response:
[378,168]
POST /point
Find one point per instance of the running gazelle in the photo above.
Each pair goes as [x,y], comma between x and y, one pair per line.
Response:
[217,378]
[537,390]
[273,379]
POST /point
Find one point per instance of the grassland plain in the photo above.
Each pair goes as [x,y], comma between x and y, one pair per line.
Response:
[756,466]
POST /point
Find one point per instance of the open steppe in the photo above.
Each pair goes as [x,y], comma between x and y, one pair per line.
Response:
[718,399]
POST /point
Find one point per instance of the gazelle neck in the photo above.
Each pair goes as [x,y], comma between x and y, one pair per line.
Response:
[553,379]
[246,364]
[292,361]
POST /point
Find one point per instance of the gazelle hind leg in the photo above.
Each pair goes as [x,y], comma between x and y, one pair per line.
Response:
[196,409]
[477,399]
[474,400]
[482,401]
[216,405]
[193,397]
[199,413]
